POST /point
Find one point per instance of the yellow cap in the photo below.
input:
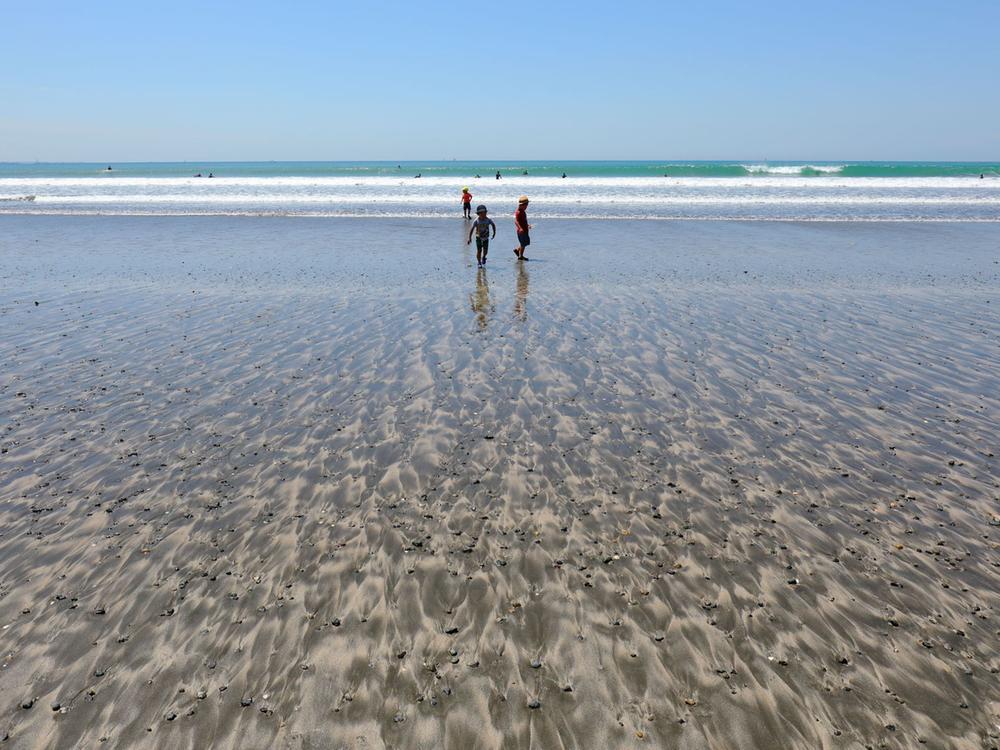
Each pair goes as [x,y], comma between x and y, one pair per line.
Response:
[523,199]
[465,190]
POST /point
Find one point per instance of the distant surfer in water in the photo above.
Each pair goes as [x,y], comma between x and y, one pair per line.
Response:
[498,174]
[108,169]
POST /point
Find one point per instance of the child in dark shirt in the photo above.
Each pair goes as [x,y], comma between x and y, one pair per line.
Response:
[481,228]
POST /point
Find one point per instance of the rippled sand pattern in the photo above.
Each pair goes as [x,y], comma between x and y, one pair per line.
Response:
[604,499]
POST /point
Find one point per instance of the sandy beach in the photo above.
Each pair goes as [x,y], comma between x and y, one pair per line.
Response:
[317,483]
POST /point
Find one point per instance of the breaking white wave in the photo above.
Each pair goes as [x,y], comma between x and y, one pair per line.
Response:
[776,196]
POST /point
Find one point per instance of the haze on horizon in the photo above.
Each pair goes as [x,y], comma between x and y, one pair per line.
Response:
[859,81]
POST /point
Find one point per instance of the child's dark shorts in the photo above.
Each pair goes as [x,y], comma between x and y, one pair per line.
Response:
[483,244]
[523,239]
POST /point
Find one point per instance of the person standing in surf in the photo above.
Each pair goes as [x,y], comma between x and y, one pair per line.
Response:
[466,203]
[521,226]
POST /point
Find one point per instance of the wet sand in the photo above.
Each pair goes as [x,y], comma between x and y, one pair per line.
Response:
[318,484]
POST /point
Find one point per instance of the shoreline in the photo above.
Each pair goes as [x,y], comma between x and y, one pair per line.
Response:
[538,215]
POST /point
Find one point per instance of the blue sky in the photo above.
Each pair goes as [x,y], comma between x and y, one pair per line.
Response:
[119,81]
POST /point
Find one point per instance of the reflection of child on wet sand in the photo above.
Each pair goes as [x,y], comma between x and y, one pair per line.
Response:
[466,203]
[481,228]
[480,301]
[521,294]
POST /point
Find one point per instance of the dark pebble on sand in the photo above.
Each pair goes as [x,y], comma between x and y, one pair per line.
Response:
[246,702]
[28,703]
[536,663]
[451,631]
[534,703]
[56,705]
[336,622]
[170,716]
[100,611]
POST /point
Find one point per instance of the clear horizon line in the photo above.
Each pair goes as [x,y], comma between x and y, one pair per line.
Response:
[500,160]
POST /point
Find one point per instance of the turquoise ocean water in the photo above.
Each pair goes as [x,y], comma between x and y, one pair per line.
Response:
[469,169]
[745,190]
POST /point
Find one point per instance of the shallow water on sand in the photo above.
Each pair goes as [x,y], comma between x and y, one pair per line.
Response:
[684,484]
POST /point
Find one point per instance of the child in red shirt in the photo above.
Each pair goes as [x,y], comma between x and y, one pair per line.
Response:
[522,226]
[466,203]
